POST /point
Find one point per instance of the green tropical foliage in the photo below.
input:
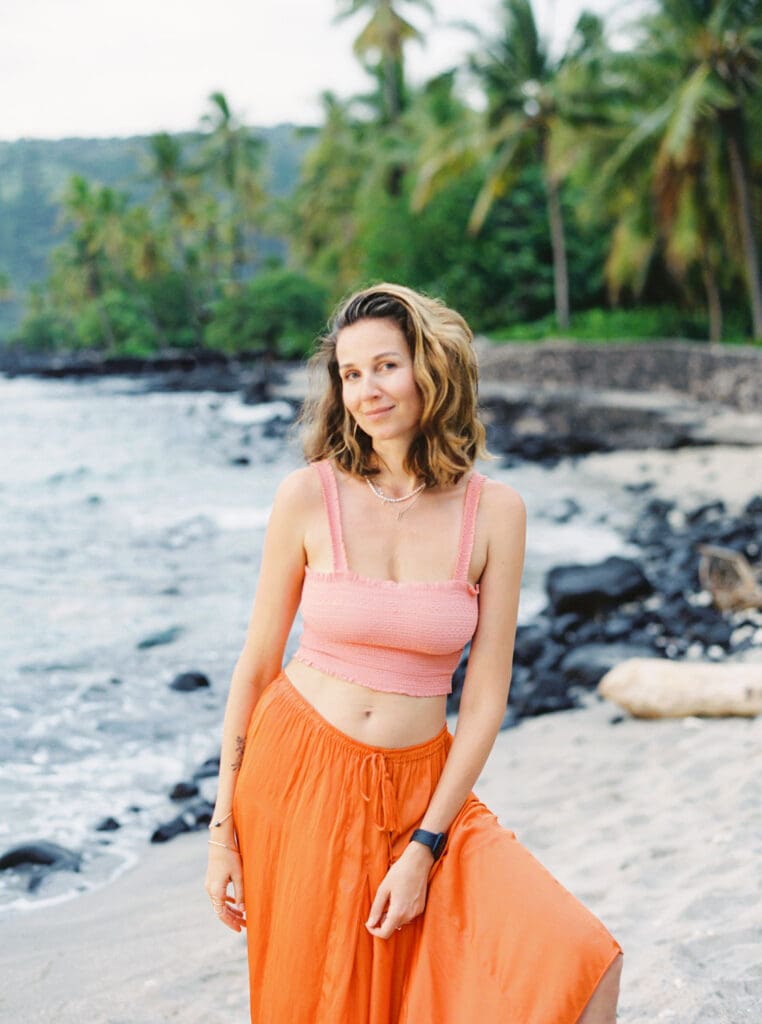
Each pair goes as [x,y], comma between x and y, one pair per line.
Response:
[535,105]
[683,166]
[629,176]
[277,313]
[178,271]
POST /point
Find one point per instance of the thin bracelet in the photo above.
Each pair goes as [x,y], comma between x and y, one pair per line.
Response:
[213,842]
[216,824]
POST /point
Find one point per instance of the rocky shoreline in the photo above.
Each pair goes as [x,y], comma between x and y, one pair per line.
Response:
[729,375]
[543,401]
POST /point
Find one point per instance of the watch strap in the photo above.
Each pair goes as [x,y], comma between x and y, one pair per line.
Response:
[435,841]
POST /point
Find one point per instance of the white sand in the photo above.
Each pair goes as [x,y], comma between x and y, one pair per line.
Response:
[687,476]
[656,826]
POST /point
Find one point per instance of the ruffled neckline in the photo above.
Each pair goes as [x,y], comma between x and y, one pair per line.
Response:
[355,577]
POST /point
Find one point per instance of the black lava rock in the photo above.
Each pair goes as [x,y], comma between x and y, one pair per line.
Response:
[600,615]
[530,641]
[107,825]
[166,636]
[588,664]
[589,588]
[563,625]
[188,681]
[41,852]
[199,814]
[208,769]
[548,693]
[183,791]
[170,829]
[195,817]
[257,390]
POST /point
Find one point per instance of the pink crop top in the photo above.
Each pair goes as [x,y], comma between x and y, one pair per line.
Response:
[397,637]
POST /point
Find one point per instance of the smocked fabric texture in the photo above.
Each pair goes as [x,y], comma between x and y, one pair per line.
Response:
[319,817]
[396,637]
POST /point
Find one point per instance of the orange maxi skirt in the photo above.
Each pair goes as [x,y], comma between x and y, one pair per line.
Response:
[320,817]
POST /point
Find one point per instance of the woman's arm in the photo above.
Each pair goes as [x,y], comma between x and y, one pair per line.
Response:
[275,603]
[482,705]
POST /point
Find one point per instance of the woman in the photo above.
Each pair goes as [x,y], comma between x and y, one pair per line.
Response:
[379,889]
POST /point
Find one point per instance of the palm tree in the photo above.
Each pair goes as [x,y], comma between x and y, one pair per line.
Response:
[533,103]
[85,270]
[385,33]
[695,82]
[321,216]
[176,187]
[233,156]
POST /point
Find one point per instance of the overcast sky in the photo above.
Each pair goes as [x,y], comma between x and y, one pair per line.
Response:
[108,67]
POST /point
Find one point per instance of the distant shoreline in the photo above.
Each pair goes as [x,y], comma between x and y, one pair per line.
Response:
[731,375]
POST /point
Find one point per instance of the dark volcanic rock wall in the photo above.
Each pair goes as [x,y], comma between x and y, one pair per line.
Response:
[731,376]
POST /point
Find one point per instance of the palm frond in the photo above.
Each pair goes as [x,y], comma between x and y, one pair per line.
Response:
[647,131]
[455,154]
[502,175]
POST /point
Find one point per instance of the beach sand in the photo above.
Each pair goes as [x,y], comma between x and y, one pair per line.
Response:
[655,825]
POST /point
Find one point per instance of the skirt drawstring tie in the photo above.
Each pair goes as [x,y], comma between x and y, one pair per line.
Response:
[377,789]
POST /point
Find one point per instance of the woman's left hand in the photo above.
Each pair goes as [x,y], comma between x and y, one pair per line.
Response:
[401,896]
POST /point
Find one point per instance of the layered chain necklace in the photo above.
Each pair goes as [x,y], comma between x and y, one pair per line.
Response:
[396,501]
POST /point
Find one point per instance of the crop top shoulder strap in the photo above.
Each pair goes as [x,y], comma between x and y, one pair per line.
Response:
[468,525]
[333,510]
[331,500]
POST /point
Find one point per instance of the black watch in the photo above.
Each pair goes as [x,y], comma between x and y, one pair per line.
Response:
[434,840]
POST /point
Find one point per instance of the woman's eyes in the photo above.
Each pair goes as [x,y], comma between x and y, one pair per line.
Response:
[354,374]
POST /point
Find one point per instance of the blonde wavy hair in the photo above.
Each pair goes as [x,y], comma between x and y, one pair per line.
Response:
[450,437]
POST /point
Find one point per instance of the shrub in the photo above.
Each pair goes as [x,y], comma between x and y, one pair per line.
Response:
[118,322]
[611,325]
[277,313]
[45,330]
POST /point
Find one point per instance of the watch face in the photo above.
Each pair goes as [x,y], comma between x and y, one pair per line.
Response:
[439,845]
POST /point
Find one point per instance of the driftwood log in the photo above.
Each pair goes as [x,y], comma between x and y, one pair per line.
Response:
[660,688]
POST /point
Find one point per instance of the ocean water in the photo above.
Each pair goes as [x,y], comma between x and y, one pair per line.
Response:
[123,515]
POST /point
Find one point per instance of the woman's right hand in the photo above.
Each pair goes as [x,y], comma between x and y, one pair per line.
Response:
[223,870]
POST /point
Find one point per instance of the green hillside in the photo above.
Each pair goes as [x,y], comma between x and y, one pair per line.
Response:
[34,173]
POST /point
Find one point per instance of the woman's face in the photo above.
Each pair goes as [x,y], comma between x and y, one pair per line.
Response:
[378,386]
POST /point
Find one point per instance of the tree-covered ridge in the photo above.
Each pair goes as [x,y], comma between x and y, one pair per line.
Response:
[34,175]
[628,177]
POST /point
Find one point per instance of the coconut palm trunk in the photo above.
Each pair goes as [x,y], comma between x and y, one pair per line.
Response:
[734,127]
[713,301]
[557,241]
[393,87]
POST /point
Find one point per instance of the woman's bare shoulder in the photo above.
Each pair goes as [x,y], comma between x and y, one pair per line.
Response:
[503,511]
[299,485]
[299,492]
[501,499]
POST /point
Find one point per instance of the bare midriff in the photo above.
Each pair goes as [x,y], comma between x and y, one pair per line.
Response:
[370,716]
